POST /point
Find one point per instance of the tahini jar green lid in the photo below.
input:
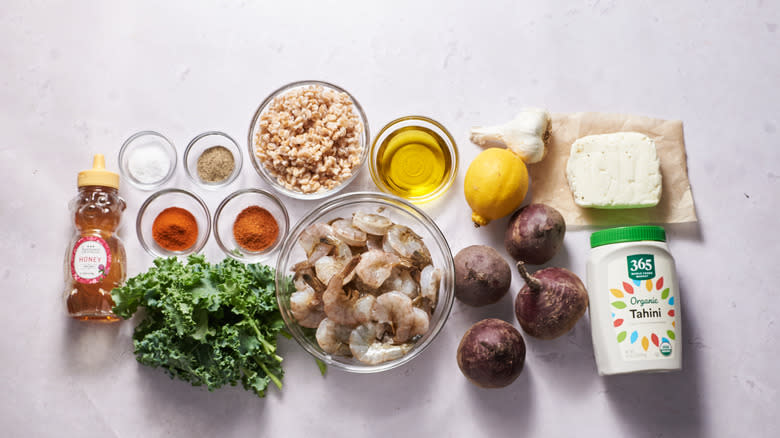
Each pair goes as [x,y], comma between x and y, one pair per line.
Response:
[627,234]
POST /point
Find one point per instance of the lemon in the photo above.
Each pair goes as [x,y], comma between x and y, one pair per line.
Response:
[496,183]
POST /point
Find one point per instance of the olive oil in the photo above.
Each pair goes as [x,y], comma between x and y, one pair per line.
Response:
[414,162]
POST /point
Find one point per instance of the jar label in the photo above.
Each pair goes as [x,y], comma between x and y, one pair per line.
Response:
[642,305]
[90,260]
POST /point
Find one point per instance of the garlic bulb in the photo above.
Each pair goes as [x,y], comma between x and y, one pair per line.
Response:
[524,135]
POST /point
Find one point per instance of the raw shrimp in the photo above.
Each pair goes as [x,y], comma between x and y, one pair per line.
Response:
[396,309]
[333,338]
[375,267]
[364,308]
[421,322]
[401,280]
[305,276]
[326,267]
[342,251]
[367,285]
[314,234]
[407,244]
[317,240]
[299,282]
[306,307]
[365,346]
[371,223]
[430,278]
[338,304]
[344,230]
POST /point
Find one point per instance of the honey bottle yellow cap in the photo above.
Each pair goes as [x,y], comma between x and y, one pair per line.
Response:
[98,175]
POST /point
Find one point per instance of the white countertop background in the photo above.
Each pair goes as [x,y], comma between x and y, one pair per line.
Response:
[77,78]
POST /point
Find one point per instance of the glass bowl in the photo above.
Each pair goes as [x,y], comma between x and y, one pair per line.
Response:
[399,211]
[162,200]
[199,145]
[265,173]
[437,141]
[232,206]
[147,160]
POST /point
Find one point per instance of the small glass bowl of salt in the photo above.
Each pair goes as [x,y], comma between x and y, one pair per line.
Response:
[147,160]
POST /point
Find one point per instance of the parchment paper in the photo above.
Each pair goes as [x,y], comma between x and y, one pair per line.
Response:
[548,177]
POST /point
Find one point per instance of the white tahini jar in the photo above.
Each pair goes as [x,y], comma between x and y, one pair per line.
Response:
[634,301]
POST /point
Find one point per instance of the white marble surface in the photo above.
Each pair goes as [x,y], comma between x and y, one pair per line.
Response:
[79,77]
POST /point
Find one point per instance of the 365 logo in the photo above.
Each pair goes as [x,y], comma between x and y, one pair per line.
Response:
[641,266]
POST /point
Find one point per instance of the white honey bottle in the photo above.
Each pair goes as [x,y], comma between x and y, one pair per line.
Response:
[634,301]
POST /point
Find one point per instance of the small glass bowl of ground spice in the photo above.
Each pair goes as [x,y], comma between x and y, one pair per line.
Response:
[173,222]
[147,160]
[250,224]
[212,160]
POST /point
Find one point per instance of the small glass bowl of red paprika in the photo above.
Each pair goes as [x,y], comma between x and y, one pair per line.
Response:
[173,222]
[250,224]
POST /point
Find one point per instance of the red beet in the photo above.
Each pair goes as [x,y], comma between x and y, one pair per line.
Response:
[535,234]
[491,353]
[482,276]
[551,302]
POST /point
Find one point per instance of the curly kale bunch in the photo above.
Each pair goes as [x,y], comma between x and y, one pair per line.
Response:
[206,324]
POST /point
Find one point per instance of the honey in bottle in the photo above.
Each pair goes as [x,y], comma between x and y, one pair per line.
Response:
[95,262]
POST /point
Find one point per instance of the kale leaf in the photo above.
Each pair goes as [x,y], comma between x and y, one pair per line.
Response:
[206,324]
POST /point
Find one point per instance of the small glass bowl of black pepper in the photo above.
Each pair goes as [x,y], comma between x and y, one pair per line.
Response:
[212,160]
[250,224]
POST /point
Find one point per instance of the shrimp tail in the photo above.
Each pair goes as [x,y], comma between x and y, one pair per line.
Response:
[314,282]
[305,271]
[348,268]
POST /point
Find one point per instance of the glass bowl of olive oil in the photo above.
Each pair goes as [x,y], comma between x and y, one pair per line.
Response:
[414,157]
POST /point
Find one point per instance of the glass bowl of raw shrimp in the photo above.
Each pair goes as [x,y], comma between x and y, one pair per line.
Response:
[365,282]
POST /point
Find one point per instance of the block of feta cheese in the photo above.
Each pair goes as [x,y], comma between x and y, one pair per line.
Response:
[619,170]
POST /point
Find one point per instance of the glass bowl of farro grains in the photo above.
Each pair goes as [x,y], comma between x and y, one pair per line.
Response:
[309,139]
